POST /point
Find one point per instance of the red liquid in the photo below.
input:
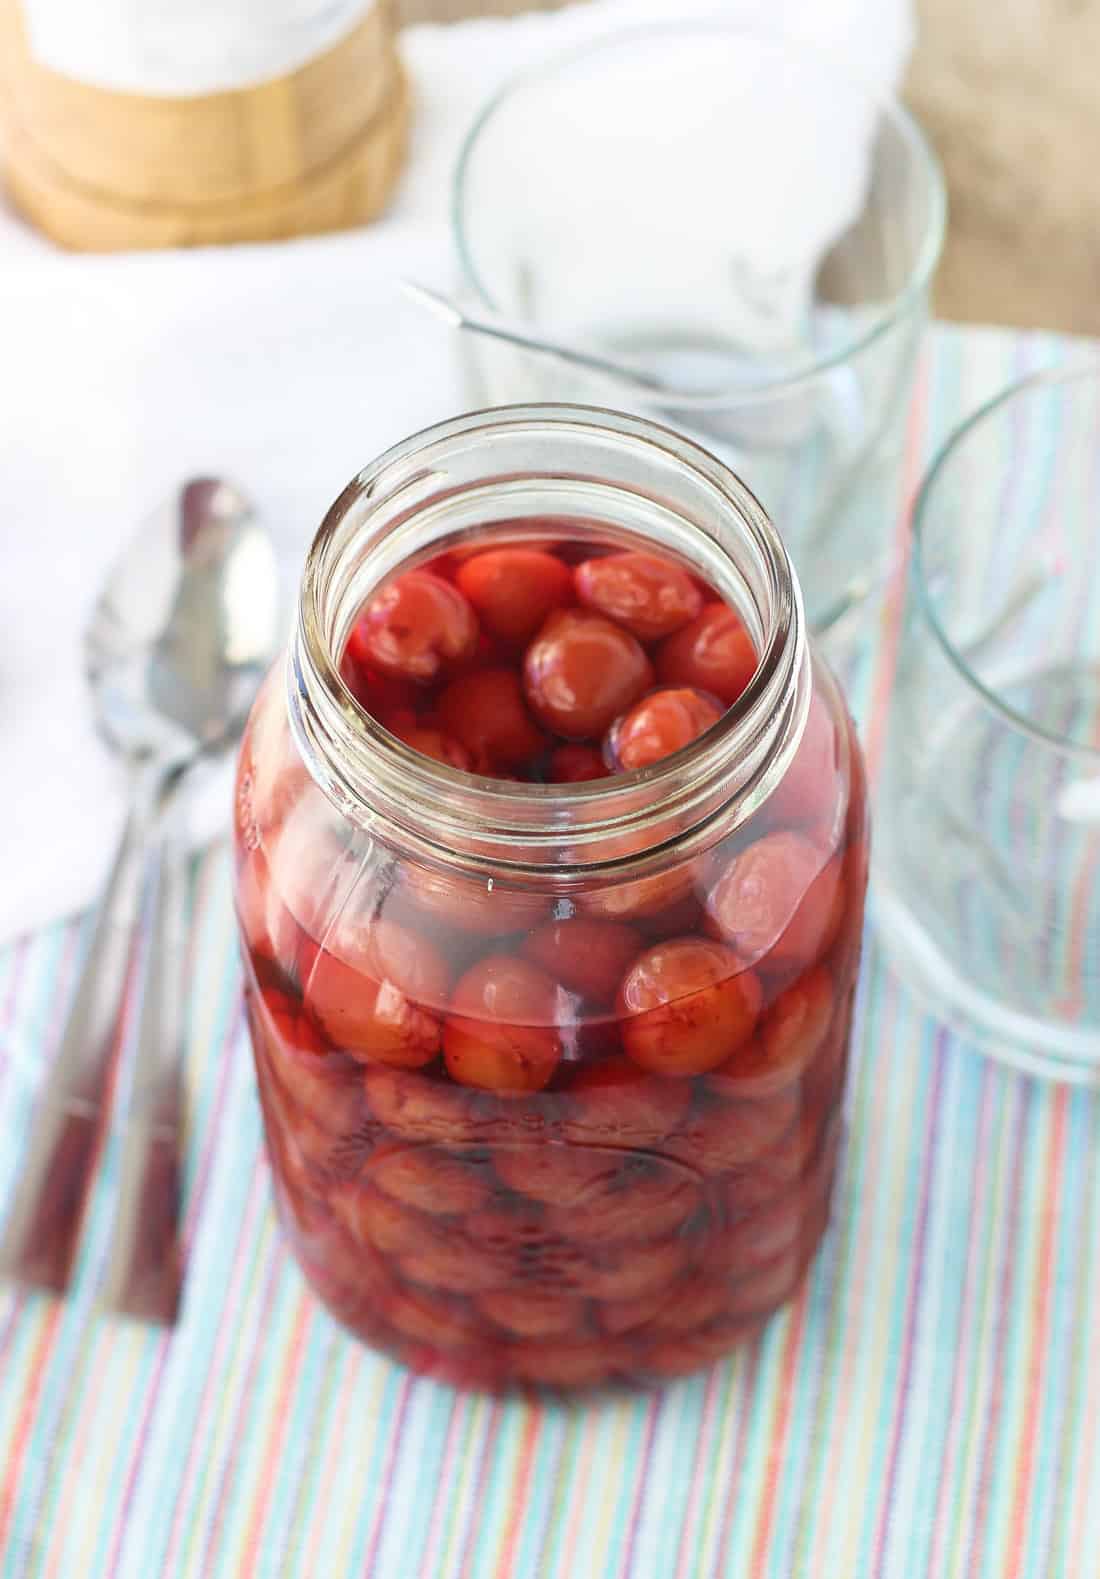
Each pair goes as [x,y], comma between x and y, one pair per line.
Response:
[520,1139]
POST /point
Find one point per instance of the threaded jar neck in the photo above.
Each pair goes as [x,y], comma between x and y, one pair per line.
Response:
[597,475]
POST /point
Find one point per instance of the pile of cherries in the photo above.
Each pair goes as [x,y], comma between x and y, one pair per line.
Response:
[521,1138]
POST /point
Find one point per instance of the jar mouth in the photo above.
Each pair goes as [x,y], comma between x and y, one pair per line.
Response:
[533,462]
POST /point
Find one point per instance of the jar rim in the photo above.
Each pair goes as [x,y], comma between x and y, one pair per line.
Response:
[373,777]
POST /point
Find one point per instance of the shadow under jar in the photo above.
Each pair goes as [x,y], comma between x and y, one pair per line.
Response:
[551,1072]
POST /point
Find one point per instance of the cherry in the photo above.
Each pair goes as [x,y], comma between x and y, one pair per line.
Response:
[809,792]
[514,589]
[616,1103]
[432,743]
[686,1005]
[429,1178]
[419,1108]
[718,1137]
[532,1314]
[470,905]
[786,1041]
[557,1174]
[576,764]
[656,893]
[415,628]
[441,1320]
[774,1282]
[318,1086]
[452,1265]
[564,1365]
[652,597]
[618,1316]
[502,1031]
[713,653]
[585,955]
[636,1270]
[485,713]
[661,723]
[629,1203]
[581,672]
[697,1301]
[376,1219]
[369,987]
[779,902]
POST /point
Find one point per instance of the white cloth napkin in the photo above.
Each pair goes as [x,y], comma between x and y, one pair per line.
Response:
[283,367]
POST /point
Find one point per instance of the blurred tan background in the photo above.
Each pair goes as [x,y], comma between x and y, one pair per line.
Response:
[1010,92]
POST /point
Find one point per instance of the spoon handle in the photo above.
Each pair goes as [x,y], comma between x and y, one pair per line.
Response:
[144,1265]
[42,1227]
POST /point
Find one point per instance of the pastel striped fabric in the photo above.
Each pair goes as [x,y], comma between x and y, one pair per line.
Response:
[930,1407]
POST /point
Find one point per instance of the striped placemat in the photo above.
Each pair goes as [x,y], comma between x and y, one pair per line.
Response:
[930,1407]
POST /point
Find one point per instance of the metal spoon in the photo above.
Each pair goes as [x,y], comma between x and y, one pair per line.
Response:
[183,632]
[517,334]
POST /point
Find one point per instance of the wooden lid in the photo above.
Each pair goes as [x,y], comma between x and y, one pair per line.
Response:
[318,149]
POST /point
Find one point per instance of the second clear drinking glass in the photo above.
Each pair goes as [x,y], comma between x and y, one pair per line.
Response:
[988,843]
[735,214]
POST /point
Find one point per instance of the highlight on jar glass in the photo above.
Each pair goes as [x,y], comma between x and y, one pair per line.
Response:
[778,301]
[551,856]
[988,847]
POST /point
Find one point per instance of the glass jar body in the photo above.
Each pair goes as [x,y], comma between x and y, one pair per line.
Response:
[653,1178]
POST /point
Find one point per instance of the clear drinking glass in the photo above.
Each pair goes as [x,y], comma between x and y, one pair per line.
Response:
[734,214]
[988,839]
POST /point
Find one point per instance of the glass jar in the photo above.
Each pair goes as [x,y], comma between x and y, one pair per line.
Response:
[654,1182]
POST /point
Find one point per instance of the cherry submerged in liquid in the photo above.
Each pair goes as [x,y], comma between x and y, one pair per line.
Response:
[525,1140]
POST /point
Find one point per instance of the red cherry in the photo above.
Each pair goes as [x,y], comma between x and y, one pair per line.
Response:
[713,653]
[370,988]
[420,1108]
[658,725]
[502,1031]
[415,628]
[532,1314]
[786,1041]
[514,589]
[565,1365]
[650,596]
[810,794]
[452,1265]
[719,1137]
[776,1281]
[779,902]
[429,1178]
[630,1203]
[616,1103]
[431,743]
[559,1175]
[440,1320]
[587,956]
[376,1219]
[485,713]
[387,697]
[318,1094]
[695,1302]
[577,765]
[686,1005]
[636,1270]
[581,672]
[470,905]
[628,1315]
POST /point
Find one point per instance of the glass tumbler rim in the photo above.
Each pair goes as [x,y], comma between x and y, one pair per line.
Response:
[899,305]
[993,408]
